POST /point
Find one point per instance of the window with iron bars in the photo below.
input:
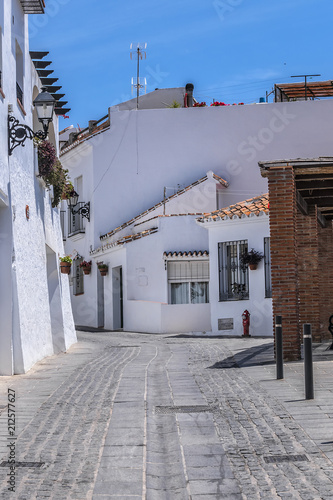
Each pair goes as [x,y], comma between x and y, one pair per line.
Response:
[75,222]
[78,277]
[233,277]
[267,261]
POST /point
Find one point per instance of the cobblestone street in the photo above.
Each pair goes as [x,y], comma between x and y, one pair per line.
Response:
[126,415]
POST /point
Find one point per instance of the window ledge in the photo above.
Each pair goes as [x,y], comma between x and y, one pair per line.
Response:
[234,300]
[77,235]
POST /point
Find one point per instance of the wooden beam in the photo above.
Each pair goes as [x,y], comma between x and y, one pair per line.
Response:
[314,185]
[321,202]
[317,193]
[314,170]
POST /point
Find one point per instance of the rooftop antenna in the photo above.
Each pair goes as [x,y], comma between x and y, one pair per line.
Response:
[140,52]
[305,79]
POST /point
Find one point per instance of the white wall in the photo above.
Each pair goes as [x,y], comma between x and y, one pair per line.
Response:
[185,318]
[146,272]
[30,289]
[145,284]
[146,150]
[253,229]
[158,317]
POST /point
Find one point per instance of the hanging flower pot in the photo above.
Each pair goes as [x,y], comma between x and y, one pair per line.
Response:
[65,264]
[251,258]
[103,269]
[86,266]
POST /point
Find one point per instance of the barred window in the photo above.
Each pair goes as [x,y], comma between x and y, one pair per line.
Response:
[78,277]
[267,261]
[188,282]
[233,278]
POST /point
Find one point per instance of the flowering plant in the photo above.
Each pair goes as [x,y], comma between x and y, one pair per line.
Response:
[199,104]
[84,263]
[217,103]
[68,190]
[251,257]
[51,170]
[67,258]
[103,266]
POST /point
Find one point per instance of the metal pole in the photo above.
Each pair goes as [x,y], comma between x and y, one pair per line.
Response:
[279,347]
[308,367]
[306,94]
[138,80]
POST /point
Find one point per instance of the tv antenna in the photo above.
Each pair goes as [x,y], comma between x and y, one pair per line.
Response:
[305,80]
[139,52]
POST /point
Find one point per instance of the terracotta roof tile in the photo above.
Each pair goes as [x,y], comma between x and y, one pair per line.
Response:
[256,205]
[199,253]
[125,239]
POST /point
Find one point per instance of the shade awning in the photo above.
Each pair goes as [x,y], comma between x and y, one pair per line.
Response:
[33,6]
[313,180]
[312,90]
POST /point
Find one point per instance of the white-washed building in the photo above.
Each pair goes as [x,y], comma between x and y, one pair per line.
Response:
[233,287]
[158,279]
[126,162]
[35,311]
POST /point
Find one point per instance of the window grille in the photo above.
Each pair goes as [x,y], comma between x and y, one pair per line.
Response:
[267,261]
[233,277]
[75,221]
[78,277]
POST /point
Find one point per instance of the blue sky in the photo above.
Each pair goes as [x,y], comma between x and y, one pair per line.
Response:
[231,50]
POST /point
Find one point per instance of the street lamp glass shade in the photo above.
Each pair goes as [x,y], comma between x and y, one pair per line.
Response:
[73,199]
[44,104]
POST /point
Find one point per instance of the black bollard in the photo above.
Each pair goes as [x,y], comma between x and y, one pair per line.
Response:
[308,367]
[278,347]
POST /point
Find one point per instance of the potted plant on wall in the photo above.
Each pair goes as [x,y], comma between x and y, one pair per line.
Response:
[65,264]
[251,258]
[86,266]
[103,268]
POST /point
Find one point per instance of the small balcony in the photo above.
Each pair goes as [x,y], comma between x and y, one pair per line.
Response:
[75,222]
[33,6]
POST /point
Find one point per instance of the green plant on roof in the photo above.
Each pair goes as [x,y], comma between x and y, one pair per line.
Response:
[174,104]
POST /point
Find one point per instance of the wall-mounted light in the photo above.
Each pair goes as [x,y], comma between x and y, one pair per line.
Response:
[72,201]
[18,133]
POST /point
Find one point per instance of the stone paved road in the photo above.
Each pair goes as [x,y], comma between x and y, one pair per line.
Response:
[159,417]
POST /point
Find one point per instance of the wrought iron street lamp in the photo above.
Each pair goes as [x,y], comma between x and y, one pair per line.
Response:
[18,133]
[72,201]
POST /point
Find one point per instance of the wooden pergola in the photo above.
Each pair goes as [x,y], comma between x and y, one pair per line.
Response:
[299,91]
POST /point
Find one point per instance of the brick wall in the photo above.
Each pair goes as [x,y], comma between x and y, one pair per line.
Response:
[284,266]
[308,271]
[325,250]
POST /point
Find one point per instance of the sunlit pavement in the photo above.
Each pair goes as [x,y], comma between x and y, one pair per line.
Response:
[125,415]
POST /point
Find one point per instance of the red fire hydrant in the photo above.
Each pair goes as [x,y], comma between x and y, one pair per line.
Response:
[246,323]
